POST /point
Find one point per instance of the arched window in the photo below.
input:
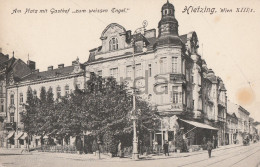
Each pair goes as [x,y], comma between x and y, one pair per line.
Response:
[12,99]
[113,44]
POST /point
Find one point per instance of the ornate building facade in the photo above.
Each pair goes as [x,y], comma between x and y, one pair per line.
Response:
[170,73]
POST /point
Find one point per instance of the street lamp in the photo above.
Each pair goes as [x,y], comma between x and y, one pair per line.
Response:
[135,154]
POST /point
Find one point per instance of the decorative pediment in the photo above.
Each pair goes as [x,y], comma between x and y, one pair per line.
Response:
[112,29]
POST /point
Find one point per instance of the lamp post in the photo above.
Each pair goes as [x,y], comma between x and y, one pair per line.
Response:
[135,154]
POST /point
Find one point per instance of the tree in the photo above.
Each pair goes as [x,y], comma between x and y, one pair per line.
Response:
[29,116]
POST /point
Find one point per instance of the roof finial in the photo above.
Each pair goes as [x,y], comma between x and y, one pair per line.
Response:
[28,57]
[13,53]
[168,1]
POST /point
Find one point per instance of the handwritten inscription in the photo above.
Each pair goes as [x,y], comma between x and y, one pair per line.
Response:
[212,10]
[68,11]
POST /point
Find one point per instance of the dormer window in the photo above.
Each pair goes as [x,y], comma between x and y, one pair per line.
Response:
[113,44]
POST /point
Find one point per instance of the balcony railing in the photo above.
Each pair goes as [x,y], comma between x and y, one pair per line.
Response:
[10,125]
[177,78]
[2,114]
[221,118]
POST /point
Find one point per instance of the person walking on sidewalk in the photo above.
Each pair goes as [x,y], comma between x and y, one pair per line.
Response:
[209,148]
[166,148]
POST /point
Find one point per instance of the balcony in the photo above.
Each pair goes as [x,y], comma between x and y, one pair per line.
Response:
[171,108]
[2,114]
[177,78]
[221,119]
[10,125]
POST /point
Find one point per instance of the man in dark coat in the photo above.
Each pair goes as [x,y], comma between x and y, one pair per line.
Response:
[165,148]
[209,148]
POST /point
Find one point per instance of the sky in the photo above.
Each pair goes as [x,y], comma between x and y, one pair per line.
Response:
[229,42]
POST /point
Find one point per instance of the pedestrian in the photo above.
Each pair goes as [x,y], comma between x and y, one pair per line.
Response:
[209,148]
[166,148]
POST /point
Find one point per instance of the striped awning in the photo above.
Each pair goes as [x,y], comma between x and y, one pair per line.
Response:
[17,136]
[25,135]
[11,134]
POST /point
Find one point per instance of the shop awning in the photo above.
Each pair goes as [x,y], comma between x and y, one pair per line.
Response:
[199,125]
[24,136]
[17,136]
[10,135]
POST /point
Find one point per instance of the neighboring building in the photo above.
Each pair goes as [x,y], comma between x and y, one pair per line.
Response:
[62,80]
[243,119]
[231,128]
[169,74]
[11,70]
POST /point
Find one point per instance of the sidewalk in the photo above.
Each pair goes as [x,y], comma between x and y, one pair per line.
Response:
[91,157]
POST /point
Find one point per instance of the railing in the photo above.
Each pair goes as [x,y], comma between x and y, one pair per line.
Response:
[57,149]
[10,125]
[2,114]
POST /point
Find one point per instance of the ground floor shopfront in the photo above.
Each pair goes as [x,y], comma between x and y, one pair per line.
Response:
[191,132]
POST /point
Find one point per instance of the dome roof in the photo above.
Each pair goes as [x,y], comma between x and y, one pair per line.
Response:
[169,40]
[167,5]
[167,19]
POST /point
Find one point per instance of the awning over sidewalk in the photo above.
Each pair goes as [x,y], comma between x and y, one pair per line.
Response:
[10,135]
[25,135]
[17,136]
[199,125]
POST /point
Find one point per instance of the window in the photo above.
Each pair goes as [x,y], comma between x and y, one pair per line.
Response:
[138,70]
[183,67]
[149,70]
[1,88]
[58,92]
[12,99]
[2,108]
[175,94]
[163,65]
[164,90]
[12,117]
[174,64]
[128,71]
[114,72]
[21,97]
[113,44]
[100,73]
[67,90]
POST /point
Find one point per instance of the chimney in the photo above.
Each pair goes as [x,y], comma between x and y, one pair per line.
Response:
[50,68]
[61,66]
[0,50]
[36,71]
[31,64]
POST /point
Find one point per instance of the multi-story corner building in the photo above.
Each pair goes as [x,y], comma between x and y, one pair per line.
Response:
[62,80]
[11,70]
[243,119]
[169,73]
